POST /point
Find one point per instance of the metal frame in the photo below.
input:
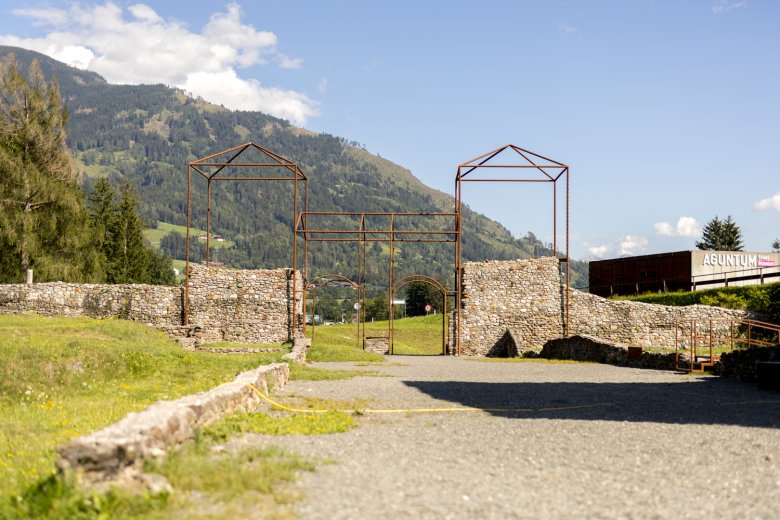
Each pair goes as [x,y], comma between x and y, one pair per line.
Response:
[210,168]
[330,279]
[741,334]
[362,234]
[437,285]
[548,169]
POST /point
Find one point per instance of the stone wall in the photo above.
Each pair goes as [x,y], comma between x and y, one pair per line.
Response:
[225,304]
[526,297]
[243,306]
[155,305]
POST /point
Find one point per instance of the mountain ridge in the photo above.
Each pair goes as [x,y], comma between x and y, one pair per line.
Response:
[148,133]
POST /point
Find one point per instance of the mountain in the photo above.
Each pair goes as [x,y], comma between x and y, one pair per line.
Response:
[147,134]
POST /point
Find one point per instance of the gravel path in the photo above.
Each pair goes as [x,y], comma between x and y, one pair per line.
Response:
[598,441]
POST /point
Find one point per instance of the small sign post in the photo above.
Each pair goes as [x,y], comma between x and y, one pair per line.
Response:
[427,308]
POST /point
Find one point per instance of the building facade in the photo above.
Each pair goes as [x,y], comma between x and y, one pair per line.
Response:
[682,271]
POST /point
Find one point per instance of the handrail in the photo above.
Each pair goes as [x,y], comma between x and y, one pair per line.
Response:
[714,337]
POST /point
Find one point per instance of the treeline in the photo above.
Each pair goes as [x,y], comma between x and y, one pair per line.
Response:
[45,222]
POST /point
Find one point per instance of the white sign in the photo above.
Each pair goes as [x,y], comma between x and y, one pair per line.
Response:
[357,306]
[428,308]
[731,260]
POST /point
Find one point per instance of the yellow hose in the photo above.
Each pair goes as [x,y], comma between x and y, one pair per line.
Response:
[427,410]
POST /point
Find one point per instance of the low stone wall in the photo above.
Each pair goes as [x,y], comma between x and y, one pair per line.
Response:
[581,347]
[115,454]
[299,351]
[253,306]
[743,364]
[156,305]
[527,297]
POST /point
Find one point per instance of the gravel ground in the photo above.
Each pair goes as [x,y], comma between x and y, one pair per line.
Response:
[590,441]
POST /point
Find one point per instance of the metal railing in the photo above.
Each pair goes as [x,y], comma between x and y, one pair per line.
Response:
[705,340]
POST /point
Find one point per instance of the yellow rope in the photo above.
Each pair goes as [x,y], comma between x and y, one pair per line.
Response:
[427,410]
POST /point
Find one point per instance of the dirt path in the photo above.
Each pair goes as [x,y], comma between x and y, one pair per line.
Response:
[589,441]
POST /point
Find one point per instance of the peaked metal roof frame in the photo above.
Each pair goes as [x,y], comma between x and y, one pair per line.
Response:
[542,169]
[211,168]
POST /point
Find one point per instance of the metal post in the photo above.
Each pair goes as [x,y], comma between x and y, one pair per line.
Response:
[187,253]
[208,220]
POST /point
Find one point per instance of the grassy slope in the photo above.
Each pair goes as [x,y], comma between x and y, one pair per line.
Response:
[163,228]
[65,377]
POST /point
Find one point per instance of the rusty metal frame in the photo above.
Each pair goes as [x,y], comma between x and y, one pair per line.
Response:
[701,331]
[362,234]
[329,279]
[435,284]
[210,168]
[546,170]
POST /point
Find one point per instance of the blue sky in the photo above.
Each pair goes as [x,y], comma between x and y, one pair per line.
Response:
[668,112]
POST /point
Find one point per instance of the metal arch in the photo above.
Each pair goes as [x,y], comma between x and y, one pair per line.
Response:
[550,170]
[437,285]
[361,234]
[331,278]
[226,159]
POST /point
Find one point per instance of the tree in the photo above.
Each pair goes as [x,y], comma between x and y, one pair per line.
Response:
[721,235]
[420,294]
[776,245]
[43,220]
[118,236]
[128,258]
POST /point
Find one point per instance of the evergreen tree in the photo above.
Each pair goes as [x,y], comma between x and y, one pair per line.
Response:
[43,221]
[102,213]
[721,235]
[420,294]
[776,245]
[128,259]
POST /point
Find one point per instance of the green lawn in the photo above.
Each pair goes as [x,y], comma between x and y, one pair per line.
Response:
[420,335]
[163,228]
[65,377]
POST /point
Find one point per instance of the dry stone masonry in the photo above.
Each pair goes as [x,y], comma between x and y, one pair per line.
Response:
[243,306]
[225,305]
[526,297]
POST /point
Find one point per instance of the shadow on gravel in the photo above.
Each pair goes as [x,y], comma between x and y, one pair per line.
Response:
[700,401]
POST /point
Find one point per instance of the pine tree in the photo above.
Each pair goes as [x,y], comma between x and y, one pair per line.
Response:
[43,221]
[128,258]
[102,213]
[721,235]
[776,245]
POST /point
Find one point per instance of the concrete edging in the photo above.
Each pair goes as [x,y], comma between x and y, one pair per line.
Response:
[117,452]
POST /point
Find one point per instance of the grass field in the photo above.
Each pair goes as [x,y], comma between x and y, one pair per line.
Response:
[65,377]
[421,335]
[163,228]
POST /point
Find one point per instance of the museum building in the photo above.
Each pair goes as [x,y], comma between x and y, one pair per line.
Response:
[682,271]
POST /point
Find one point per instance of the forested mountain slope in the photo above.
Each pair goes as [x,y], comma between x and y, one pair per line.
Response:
[148,133]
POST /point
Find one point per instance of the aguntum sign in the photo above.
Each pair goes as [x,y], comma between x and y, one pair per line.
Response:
[746,260]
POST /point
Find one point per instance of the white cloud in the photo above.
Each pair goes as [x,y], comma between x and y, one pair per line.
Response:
[567,30]
[769,204]
[145,48]
[686,227]
[598,251]
[724,6]
[322,86]
[632,245]
[286,62]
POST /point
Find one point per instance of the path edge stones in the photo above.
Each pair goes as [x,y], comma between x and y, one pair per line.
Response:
[114,456]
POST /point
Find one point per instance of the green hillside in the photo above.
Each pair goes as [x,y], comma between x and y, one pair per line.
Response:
[148,133]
